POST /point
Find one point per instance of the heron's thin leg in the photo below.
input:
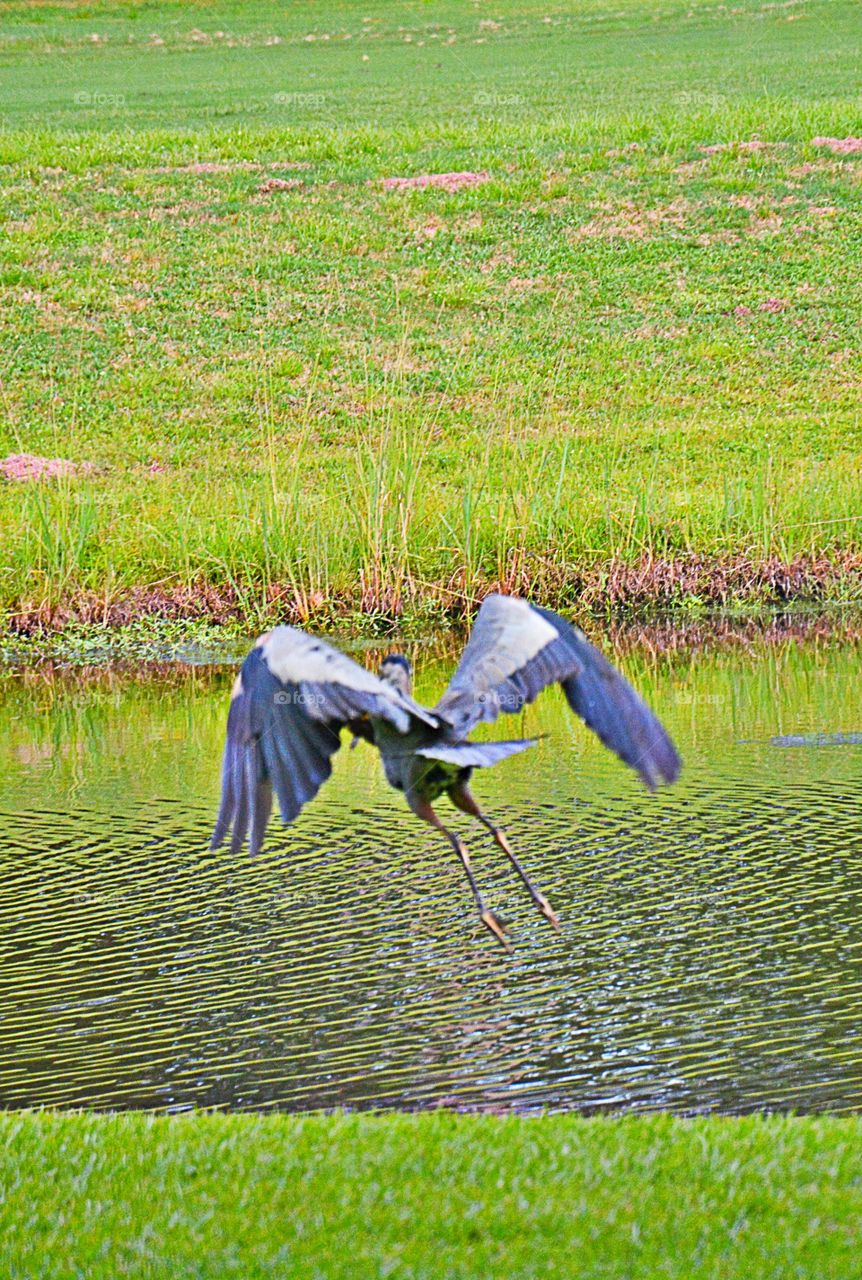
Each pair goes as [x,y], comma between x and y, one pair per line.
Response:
[464,800]
[423,810]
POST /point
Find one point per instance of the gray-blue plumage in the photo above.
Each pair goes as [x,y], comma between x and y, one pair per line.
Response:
[295,694]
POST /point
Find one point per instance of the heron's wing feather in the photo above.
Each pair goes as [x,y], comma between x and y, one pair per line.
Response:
[516,650]
[332,684]
[477,755]
[246,798]
[293,696]
[610,706]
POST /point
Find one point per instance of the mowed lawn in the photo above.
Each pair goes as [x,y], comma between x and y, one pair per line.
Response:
[430,1196]
[635,336]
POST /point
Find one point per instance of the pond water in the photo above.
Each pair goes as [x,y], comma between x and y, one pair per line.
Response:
[711,951]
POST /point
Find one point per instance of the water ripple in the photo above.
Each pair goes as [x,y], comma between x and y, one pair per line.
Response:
[711,957]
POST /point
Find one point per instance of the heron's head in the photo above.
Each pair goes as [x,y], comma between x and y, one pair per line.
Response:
[397,671]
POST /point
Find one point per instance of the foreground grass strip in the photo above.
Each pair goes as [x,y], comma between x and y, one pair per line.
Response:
[432,1195]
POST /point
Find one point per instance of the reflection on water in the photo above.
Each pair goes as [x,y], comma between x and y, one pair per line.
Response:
[711,956]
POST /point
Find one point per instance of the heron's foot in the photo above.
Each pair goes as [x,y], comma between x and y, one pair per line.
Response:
[493,922]
[547,910]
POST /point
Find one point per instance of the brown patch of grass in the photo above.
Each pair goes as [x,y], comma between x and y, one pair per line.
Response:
[649,332]
[428,228]
[691,168]
[724,236]
[30,466]
[752,144]
[279,184]
[215,166]
[523,284]
[839,146]
[499,258]
[630,221]
[617,153]
[450,182]
[615,587]
[650,583]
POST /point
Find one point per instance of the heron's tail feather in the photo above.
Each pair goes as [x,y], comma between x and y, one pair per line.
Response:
[477,755]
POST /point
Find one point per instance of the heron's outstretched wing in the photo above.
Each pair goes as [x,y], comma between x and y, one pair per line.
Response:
[290,702]
[516,650]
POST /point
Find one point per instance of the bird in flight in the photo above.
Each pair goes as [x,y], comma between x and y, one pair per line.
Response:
[295,694]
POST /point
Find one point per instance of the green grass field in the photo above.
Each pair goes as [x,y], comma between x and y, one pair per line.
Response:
[429,1196]
[624,346]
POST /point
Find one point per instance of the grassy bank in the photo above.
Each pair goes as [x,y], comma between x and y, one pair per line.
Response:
[429,1196]
[624,364]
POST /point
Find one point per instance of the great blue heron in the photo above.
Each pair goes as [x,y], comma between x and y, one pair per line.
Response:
[296,693]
